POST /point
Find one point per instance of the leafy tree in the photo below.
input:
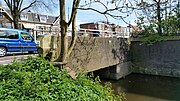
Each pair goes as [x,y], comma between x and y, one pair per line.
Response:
[156,16]
[171,22]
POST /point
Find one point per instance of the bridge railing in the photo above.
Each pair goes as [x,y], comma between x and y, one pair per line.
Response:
[103,33]
[89,33]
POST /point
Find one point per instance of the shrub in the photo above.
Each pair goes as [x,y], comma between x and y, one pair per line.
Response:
[35,79]
[150,40]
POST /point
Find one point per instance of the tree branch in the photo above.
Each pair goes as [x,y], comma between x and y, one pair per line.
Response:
[74,36]
[105,13]
[9,4]
[30,5]
[20,5]
[155,1]
[90,3]
[74,10]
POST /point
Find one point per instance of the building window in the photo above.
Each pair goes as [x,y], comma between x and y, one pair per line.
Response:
[48,28]
[43,19]
[24,17]
[8,25]
[0,24]
[0,14]
[37,27]
[36,16]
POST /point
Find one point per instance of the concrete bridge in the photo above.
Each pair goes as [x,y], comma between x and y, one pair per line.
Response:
[115,58]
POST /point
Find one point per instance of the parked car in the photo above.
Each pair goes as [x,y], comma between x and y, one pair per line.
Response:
[14,40]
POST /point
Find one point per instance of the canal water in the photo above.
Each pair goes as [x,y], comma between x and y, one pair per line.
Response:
[138,87]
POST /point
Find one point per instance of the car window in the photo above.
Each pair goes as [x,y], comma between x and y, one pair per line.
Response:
[25,36]
[9,34]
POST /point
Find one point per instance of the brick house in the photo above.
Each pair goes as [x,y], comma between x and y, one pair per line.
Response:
[37,24]
[5,19]
[104,29]
[40,24]
[107,29]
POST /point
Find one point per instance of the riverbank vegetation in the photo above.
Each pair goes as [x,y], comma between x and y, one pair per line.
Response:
[158,21]
[35,79]
[155,38]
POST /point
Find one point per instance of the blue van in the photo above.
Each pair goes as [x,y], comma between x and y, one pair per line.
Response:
[14,40]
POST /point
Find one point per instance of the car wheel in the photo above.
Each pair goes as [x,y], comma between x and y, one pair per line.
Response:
[3,51]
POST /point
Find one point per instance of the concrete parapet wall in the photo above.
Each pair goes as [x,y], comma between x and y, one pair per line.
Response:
[47,43]
[91,53]
[162,58]
[95,53]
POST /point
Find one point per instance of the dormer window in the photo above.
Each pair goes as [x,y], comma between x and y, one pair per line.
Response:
[0,13]
[36,16]
[43,19]
[24,17]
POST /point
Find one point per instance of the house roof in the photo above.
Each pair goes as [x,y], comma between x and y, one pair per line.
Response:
[56,20]
[6,12]
[134,27]
[33,17]
[87,23]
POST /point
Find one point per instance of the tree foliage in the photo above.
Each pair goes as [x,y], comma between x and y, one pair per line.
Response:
[159,16]
[171,22]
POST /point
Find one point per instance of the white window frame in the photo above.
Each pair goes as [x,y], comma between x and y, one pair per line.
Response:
[43,19]
[24,17]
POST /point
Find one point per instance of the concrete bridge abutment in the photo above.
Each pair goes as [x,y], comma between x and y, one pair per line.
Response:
[115,72]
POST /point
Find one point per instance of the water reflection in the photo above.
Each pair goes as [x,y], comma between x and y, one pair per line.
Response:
[148,88]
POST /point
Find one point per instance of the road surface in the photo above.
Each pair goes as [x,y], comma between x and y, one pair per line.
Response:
[11,57]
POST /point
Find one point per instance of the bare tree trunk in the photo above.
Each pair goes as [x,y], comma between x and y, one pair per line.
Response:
[66,49]
[16,24]
[73,19]
[159,17]
[16,17]
[64,37]
[74,36]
